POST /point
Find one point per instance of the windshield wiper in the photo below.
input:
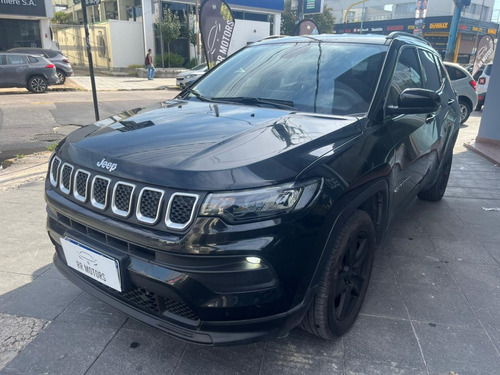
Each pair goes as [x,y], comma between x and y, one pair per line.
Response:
[278,103]
[189,90]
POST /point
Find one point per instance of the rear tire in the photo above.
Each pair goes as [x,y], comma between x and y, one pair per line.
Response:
[465,110]
[37,84]
[345,278]
[437,190]
[61,77]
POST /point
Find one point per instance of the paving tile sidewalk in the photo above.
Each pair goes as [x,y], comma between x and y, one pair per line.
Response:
[432,306]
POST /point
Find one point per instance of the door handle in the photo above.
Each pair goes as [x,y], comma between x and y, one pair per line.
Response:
[430,118]
[451,101]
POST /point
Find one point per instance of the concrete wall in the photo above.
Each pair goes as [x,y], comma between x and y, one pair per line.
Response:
[126,43]
[490,126]
[247,32]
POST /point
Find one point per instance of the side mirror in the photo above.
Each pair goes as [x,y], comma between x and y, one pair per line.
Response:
[414,101]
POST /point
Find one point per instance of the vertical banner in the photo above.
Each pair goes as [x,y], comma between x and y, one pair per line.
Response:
[306,27]
[420,13]
[216,27]
[484,50]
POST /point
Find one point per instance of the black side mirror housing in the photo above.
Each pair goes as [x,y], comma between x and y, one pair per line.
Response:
[415,101]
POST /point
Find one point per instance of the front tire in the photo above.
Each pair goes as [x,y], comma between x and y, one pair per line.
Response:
[37,84]
[345,278]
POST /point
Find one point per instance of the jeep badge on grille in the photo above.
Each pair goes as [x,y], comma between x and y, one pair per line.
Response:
[107,165]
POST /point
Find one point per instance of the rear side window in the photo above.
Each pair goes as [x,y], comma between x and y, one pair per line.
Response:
[487,71]
[454,73]
[407,75]
[52,53]
[32,59]
[433,80]
[16,59]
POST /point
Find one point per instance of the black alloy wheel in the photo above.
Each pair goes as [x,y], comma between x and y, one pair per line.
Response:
[353,274]
[345,278]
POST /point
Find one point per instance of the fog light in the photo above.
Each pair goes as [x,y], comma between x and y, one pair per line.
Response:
[253,260]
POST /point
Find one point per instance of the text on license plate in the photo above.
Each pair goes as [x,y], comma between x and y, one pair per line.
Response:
[91,263]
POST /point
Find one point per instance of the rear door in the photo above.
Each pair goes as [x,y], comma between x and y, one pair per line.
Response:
[17,70]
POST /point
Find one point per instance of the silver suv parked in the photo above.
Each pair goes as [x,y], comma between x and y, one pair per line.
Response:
[465,86]
[63,66]
[22,70]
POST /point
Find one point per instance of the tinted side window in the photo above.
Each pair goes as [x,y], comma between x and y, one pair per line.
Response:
[407,75]
[51,54]
[487,71]
[454,73]
[16,59]
[433,81]
[32,59]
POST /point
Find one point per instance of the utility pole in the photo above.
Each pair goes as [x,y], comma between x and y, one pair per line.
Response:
[198,44]
[89,53]
[300,10]
[452,39]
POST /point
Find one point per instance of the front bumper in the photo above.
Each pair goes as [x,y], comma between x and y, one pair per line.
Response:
[210,300]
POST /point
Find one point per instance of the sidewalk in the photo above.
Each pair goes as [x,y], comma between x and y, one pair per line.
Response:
[105,83]
[123,83]
[432,305]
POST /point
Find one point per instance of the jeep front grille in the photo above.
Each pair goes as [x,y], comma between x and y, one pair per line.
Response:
[80,184]
[148,208]
[122,198]
[147,204]
[99,192]
[65,183]
[54,170]
[180,210]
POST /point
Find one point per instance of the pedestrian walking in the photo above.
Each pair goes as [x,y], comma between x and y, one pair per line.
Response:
[149,64]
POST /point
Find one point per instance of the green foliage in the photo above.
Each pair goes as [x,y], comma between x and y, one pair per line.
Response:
[170,29]
[174,59]
[190,64]
[61,18]
[20,156]
[52,146]
[289,19]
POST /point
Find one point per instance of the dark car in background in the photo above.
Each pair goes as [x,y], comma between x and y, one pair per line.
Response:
[62,63]
[22,70]
[253,202]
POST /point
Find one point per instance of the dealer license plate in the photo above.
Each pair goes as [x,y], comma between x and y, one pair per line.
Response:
[92,263]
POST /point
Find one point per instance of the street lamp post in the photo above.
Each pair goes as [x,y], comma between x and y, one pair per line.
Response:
[348,9]
[452,39]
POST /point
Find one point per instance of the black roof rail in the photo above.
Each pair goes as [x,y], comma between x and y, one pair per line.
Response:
[395,34]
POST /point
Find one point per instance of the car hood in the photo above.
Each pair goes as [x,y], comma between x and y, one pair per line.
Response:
[197,145]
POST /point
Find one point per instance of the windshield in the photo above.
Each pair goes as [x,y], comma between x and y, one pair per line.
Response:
[327,78]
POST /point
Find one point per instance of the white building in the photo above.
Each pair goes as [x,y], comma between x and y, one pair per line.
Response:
[25,23]
[123,30]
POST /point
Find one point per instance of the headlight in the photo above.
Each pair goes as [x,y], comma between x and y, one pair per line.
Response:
[188,76]
[264,203]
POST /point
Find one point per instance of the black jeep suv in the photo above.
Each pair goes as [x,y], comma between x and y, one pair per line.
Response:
[253,202]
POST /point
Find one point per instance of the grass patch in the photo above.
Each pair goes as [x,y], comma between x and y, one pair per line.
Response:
[20,156]
[52,146]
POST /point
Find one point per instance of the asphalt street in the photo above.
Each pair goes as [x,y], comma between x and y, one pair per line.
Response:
[31,122]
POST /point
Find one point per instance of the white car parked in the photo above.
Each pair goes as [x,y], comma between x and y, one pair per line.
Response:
[465,86]
[482,87]
[187,78]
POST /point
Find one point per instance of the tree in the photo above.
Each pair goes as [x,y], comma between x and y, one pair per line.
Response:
[170,29]
[61,18]
[289,19]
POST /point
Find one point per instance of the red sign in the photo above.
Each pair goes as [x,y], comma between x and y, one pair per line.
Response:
[395,28]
